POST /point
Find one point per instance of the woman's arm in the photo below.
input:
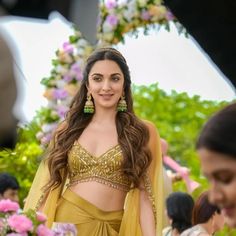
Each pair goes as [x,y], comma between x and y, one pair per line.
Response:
[152,195]
[147,220]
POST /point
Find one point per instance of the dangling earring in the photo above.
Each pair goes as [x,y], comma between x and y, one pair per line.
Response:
[122,105]
[89,106]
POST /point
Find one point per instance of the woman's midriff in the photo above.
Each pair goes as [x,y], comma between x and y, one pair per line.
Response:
[100,195]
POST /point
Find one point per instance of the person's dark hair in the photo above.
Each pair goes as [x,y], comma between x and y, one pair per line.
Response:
[218,134]
[203,210]
[8,181]
[179,209]
[133,134]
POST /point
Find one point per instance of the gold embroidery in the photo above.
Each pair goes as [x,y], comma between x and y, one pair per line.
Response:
[105,169]
[148,188]
[40,201]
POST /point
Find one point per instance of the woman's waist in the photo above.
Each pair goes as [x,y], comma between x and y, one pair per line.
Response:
[116,183]
[102,196]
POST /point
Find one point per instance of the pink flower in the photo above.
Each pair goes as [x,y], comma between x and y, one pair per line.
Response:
[60,94]
[42,230]
[67,78]
[145,15]
[110,4]
[68,47]
[112,20]
[8,205]
[62,110]
[46,139]
[41,217]
[170,16]
[20,223]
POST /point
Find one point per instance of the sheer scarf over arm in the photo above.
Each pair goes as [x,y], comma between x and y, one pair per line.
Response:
[153,185]
[39,199]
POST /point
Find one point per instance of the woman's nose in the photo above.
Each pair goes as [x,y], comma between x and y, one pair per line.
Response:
[106,86]
[215,194]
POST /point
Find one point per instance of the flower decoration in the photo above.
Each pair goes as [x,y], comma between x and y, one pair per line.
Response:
[116,19]
[13,222]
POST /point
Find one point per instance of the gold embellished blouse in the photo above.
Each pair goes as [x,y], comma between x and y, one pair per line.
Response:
[105,169]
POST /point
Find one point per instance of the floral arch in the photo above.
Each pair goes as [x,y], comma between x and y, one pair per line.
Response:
[116,19]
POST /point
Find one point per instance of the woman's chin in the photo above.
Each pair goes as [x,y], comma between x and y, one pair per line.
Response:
[230,221]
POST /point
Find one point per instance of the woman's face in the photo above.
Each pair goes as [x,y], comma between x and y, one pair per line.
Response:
[106,84]
[220,170]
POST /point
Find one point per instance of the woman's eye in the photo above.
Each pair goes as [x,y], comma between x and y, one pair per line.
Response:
[97,78]
[115,78]
[225,179]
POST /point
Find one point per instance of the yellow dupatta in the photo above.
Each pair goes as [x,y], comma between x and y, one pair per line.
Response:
[37,195]
[154,186]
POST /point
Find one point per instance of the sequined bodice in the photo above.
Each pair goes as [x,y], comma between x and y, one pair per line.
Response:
[105,169]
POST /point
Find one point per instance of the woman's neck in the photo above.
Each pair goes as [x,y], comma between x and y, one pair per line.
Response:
[175,232]
[104,117]
[208,227]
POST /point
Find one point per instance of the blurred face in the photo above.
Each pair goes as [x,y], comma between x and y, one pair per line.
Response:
[11,194]
[218,222]
[220,170]
[105,84]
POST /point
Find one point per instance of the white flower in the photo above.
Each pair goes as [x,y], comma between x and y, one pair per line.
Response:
[46,128]
[106,27]
[61,69]
[82,43]
[51,104]
[130,12]
[39,135]
[60,83]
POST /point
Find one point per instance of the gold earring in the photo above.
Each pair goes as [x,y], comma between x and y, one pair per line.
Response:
[89,106]
[122,105]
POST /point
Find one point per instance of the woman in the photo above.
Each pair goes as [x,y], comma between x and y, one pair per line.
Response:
[206,218]
[105,167]
[217,150]
[179,207]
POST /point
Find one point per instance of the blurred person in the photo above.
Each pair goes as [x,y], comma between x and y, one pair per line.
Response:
[9,187]
[179,207]
[8,92]
[216,147]
[206,218]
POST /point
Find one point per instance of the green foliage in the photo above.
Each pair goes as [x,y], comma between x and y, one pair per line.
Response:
[179,119]
[22,162]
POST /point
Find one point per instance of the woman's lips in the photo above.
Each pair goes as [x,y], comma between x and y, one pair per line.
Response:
[106,96]
[228,211]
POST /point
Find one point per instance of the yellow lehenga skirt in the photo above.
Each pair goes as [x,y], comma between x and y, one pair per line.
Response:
[88,219]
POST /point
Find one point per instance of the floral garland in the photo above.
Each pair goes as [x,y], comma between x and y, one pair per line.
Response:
[116,19]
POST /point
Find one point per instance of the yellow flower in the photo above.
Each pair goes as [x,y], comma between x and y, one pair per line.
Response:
[72,89]
[64,57]
[158,12]
[48,94]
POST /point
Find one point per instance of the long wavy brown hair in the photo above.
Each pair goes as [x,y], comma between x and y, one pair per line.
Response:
[133,134]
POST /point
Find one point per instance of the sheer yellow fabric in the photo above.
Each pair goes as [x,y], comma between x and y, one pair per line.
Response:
[130,223]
